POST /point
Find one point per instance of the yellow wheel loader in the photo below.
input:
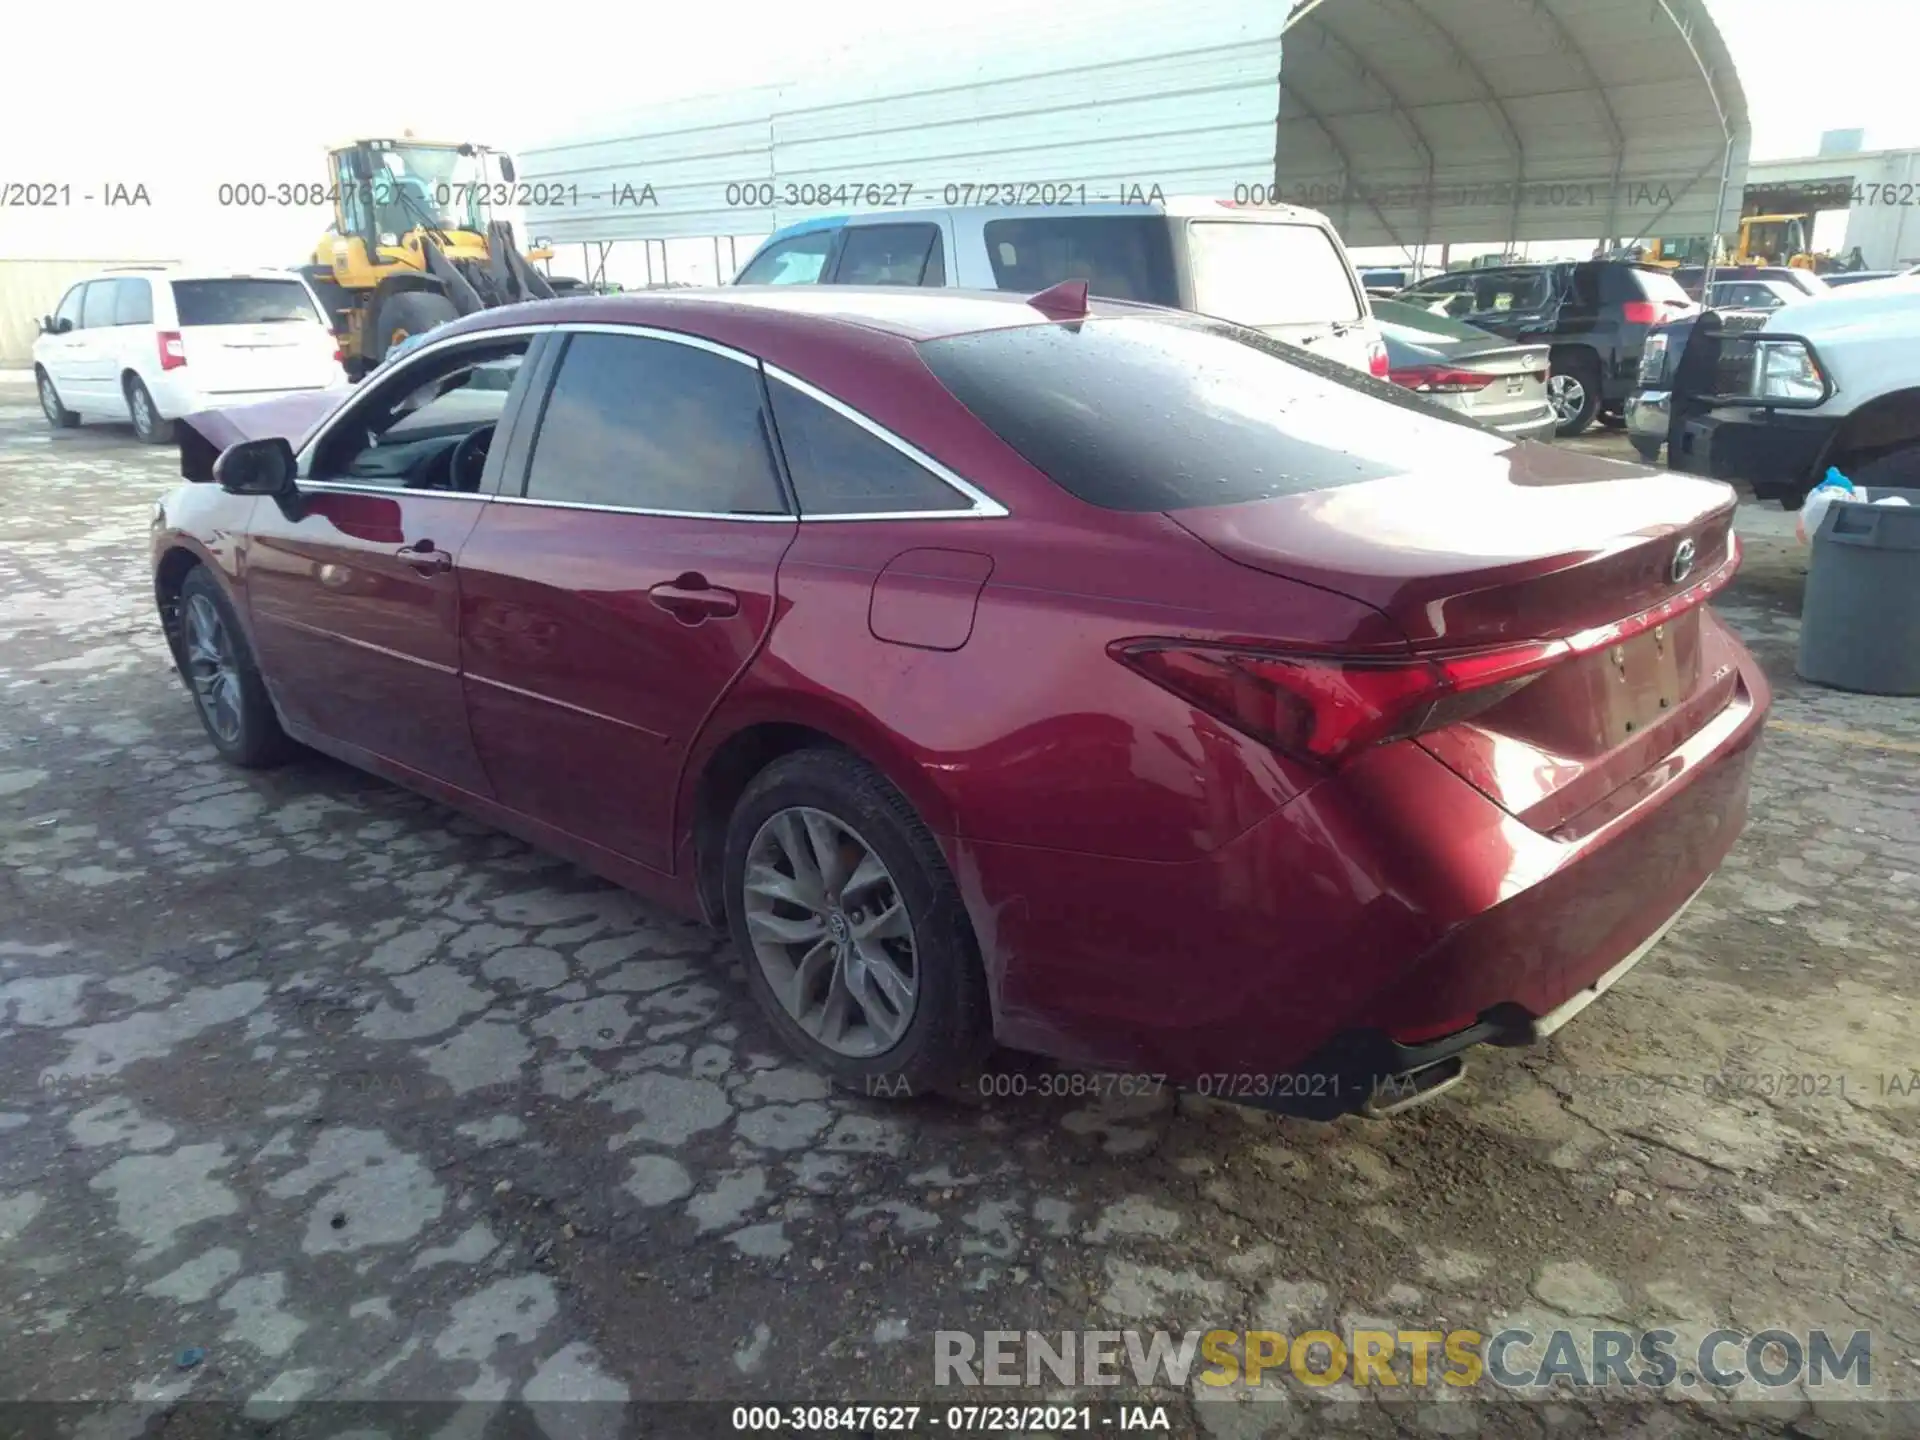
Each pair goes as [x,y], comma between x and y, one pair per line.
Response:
[414,243]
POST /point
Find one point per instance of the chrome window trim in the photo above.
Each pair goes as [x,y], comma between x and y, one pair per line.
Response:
[984,506]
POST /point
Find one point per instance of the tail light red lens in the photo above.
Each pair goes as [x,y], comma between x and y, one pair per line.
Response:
[339,356]
[1377,359]
[173,350]
[1323,708]
[1641,312]
[1439,380]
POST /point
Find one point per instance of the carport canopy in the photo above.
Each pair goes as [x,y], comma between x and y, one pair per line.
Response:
[1414,122]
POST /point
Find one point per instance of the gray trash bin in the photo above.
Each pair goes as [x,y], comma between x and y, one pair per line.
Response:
[1860,622]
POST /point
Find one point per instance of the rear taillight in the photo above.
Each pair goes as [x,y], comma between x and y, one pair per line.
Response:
[1377,359]
[1322,708]
[1641,312]
[1438,379]
[339,356]
[173,351]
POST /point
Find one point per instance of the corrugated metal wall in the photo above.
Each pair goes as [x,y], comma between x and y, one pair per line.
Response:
[30,289]
[1183,97]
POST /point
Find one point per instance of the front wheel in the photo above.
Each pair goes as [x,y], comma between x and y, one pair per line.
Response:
[57,414]
[856,943]
[1573,389]
[409,313]
[217,665]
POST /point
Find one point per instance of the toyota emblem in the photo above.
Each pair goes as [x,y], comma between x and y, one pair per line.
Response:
[1682,562]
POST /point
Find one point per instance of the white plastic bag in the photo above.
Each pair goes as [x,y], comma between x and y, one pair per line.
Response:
[1835,487]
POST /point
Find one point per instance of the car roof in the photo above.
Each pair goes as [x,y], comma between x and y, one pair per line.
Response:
[910,313]
[191,272]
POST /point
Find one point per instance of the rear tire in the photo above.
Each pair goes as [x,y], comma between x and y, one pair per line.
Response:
[217,663]
[852,911]
[147,423]
[1612,420]
[407,313]
[1573,387]
[57,414]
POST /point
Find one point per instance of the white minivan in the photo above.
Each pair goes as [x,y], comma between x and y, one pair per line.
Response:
[152,343]
[1280,269]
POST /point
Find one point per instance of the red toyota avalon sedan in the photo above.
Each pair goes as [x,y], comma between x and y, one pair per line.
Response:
[1107,681]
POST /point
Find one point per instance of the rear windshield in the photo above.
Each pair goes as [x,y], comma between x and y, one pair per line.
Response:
[1124,257]
[1422,325]
[1659,286]
[241,302]
[1256,273]
[1170,412]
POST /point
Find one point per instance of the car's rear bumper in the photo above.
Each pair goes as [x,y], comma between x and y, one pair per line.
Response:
[1540,426]
[1773,451]
[178,399]
[1389,911]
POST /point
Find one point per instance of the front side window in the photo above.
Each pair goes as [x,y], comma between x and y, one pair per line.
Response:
[1269,274]
[791,262]
[103,298]
[429,425]
[67,317]
[840,468]
[1123,257]
[1174,411]
[634,423]
[242,302]
[888,255]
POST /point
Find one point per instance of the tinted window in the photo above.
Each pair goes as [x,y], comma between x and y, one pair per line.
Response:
[886,254]
[653,425]
[103,297]
[838,468]
[1422,325]
[69,310]
[1653,285]
[1268,274]
[1176,411]
[1125,257]
[241,302]
[1489,293]
[791,262]
[135,306]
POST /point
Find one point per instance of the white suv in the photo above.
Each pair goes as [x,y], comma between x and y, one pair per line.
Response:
[1281,270]
[150,344]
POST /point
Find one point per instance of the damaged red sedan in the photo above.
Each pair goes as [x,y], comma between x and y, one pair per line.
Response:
[1107,681]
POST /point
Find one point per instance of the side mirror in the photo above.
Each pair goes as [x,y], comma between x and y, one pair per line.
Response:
[46,325]
[506,168]
[256,467]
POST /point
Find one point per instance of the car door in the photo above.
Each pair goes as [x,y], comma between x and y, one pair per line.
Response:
[57,351]
[96,381]
[355,593]
[622,583]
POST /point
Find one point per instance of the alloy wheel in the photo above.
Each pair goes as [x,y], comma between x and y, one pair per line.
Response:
[142,410]
[213,669]
[49,399]
[830,932]
[1567,396]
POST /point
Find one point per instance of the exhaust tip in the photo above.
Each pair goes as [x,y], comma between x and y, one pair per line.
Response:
[1396,1094]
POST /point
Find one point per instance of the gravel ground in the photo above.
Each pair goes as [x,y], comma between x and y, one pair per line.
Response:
[366,1100]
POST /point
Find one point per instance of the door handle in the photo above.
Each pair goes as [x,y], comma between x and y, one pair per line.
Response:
[691,600]
[425,557]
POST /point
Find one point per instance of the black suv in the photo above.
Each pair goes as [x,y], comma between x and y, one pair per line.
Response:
[1596,314]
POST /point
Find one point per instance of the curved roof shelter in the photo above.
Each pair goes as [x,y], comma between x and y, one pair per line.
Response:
[1411,121]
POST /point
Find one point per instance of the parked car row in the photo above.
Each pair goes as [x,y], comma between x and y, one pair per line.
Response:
[1089,676]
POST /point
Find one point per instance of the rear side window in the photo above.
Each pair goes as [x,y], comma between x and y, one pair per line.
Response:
[135,305]
[103,298]
[1124,257]
[241,302]
[643,424]
[889,255]
[791,262]
[1173,412]
[1269,274]
[840,468]
[1652,285]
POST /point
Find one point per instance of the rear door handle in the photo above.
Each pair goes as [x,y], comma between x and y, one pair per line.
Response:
[425,557]
[691,600]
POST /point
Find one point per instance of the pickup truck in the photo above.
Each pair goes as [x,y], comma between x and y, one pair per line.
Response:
[1831,381]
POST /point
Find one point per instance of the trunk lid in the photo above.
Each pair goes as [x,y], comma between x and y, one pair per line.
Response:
[1527,544]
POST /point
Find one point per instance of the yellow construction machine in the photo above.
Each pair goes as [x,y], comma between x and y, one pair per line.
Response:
[414,242]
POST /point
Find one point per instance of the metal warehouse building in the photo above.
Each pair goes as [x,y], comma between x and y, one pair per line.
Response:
[1409,122]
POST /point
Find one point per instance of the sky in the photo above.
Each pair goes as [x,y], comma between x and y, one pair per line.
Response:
[181,97]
